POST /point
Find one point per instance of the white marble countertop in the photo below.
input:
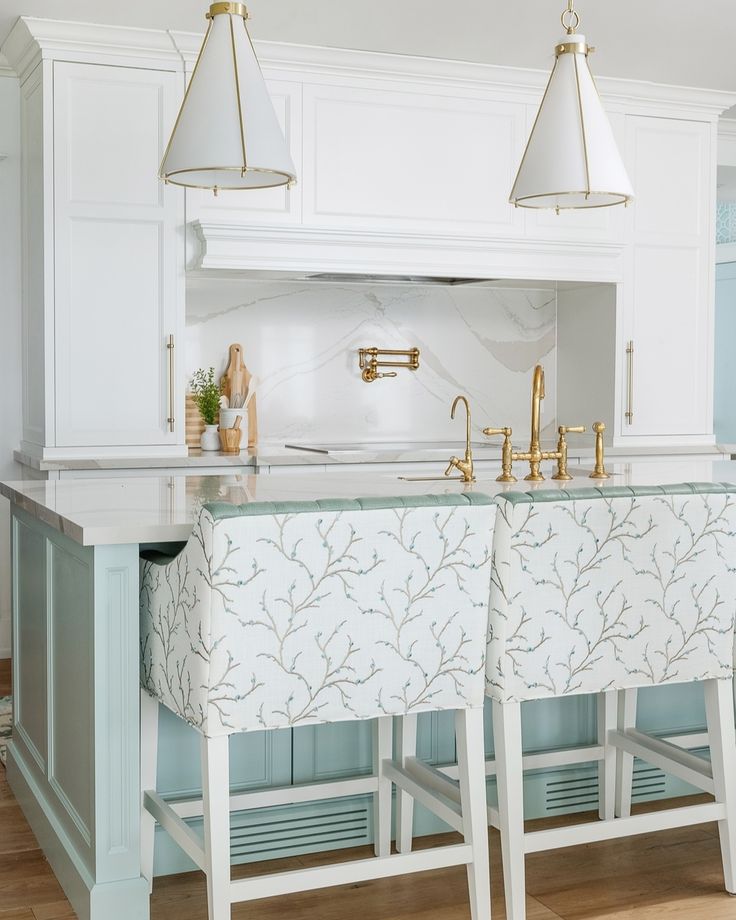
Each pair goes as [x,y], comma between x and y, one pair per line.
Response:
[272,454]
[161,509]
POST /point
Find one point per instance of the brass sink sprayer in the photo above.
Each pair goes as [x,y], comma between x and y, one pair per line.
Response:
[535,455]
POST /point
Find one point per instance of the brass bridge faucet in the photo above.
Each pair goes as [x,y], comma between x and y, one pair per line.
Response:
[535,454]
[465,467]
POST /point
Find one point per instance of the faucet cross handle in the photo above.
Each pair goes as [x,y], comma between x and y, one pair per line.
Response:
[561,451]
[506,453]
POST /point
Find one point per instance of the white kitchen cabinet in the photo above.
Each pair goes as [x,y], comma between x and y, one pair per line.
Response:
[103,246]
[117,248]
[665,345]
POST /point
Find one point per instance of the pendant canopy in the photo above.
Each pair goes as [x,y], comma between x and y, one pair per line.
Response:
[571,158]
[227,135]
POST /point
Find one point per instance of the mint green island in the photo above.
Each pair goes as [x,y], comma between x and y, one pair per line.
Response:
[73,762]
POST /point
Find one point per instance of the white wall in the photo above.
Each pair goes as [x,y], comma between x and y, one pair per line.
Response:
[10,348]
[302,342]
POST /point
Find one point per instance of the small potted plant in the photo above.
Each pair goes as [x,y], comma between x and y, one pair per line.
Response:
[206,395]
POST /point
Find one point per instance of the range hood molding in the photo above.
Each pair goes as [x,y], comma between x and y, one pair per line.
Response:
[301,253]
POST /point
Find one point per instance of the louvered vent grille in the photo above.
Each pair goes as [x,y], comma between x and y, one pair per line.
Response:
[567,794]
[648,781]
[280,836]
[581,792]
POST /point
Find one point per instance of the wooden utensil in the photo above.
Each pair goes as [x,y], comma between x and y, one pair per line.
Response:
[237,380]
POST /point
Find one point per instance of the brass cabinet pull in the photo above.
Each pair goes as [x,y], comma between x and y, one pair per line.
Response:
[170,351]
[629,414]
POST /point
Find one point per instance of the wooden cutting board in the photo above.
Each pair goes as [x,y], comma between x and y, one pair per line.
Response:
[236,379]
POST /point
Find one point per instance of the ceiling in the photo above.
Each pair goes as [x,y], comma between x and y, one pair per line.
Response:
[666,41]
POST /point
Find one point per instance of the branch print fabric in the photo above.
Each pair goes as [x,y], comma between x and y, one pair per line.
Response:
[273,620]
[611,592]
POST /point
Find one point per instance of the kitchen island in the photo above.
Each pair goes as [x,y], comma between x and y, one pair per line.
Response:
[74,759]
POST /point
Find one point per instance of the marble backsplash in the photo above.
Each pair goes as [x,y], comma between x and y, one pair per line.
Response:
[301,340]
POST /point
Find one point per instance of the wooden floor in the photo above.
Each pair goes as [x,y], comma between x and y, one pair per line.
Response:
[673,875]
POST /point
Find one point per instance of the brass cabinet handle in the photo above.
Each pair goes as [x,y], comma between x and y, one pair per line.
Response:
[170,351]
[629,414]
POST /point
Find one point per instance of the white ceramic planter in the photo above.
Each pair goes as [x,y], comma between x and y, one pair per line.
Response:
[210,439]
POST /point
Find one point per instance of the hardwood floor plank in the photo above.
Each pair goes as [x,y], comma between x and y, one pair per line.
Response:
[695,890]
[16,835]
[5,678]
[59,910]
[22,914]
[26,879]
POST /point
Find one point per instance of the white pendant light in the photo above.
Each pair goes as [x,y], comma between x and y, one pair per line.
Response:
[571,158]
[227,135]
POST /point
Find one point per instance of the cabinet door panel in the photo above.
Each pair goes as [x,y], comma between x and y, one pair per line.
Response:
[667,296]
[332,751]
[118,257]
[669,332]
[668,163]
[410,161]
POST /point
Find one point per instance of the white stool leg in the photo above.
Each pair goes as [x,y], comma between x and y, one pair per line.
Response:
[510,781]
[472,772]
[149,765]
[625,762]
[407,747]
[722,739]
[382,750]
[216,804]
[607,715]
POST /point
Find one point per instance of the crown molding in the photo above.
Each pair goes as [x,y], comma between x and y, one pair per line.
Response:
[32,40]
[314,61]
[5,69]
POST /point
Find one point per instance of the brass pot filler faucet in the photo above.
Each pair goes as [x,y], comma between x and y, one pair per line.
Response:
[535,454]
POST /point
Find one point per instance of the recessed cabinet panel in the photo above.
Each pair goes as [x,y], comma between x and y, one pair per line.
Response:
[29,627]
[111,364]
[410,161]
[273,205]
[118,259]
[70,767]
[668,389]
[113,159]
[669,169]
[331,751]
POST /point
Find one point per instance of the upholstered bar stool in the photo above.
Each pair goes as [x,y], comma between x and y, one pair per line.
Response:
[599,592]
[277,616]
[604,591]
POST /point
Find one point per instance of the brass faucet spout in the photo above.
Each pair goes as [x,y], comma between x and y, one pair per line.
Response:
[463,466]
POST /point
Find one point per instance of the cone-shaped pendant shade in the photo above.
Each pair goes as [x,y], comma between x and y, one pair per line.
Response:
[227,134]
[571,159]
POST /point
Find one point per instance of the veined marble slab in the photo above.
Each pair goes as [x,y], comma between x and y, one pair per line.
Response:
[302,340]
[162,509]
